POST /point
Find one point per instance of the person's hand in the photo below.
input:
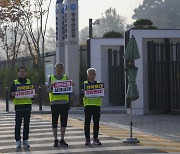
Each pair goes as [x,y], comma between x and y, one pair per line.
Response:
[13,94]
[35,95]
[51,85]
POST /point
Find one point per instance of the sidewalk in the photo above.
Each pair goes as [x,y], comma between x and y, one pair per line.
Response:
[163,125]
[73,110]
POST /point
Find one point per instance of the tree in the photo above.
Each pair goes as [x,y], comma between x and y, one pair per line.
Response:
[50,40]
[32,18]
[163,13]
[144,24]
[112,34]
[35,26]
[110,21]
[10,32]
[84,35]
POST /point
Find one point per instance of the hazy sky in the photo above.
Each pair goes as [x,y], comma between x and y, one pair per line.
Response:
[94,9]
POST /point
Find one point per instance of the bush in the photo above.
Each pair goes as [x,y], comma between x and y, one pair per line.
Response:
[112,34]
[6,78]
[144,24]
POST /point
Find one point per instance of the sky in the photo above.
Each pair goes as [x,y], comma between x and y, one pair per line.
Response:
[94,8]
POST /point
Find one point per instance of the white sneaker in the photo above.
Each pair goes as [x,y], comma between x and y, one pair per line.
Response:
[26,144]
[18,144]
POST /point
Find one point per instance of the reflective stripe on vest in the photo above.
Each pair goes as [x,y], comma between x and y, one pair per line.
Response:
[92,101]
[63,97]
[22,101]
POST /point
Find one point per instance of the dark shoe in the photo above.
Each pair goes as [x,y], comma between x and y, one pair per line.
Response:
[88,142]
[26,144]
[96,142]
[63,143]
[18,144]
[56,143]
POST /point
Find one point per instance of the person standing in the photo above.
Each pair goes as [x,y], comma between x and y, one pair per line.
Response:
[22,107]
[91,110]
[59,105]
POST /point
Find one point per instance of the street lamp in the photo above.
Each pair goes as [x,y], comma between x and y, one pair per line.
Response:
[97,22]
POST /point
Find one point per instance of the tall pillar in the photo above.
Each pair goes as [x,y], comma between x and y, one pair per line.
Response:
[72,54]
[60,48]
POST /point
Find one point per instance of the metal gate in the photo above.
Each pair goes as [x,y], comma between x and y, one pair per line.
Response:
[116,76]
[164,75]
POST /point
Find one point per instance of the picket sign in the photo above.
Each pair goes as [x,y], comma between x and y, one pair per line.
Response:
[94,90]
[62,87]
[25,93]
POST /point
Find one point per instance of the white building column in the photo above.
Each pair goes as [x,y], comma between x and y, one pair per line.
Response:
[72,54]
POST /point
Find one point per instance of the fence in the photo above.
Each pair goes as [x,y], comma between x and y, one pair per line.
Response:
[164,75]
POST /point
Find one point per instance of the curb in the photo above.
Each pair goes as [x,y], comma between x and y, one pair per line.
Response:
[148,132]
[82,112]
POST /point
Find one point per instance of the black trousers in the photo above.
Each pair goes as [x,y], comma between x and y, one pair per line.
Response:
[25,116]
[91,112]
[62,110]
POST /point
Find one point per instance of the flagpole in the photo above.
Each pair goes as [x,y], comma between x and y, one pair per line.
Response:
[131,118]
[131,140]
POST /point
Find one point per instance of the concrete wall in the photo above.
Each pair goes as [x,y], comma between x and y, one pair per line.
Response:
[99,60]
[28,62]
[141,105]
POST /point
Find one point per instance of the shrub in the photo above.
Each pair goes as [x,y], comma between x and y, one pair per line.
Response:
[112,34]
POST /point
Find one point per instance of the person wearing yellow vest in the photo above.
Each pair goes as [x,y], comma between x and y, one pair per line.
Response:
[92,109]
[22,108]
[59,105]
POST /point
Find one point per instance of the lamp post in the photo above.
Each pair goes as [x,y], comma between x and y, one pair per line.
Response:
[97,22]
[90,28]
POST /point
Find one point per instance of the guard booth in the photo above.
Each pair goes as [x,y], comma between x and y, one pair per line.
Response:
[107,58]
[158,77]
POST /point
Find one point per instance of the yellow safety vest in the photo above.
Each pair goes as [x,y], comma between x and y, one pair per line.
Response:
[63,97]
[92,101]
[22,101]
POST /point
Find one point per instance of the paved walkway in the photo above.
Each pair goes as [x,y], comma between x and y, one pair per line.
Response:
[163,125]
[41,139]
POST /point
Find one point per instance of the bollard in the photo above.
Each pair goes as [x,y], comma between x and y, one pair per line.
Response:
[7,99]
[40,99]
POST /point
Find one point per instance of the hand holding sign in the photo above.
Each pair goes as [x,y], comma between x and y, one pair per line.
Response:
[13,94]
[35,95]
[51,85]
